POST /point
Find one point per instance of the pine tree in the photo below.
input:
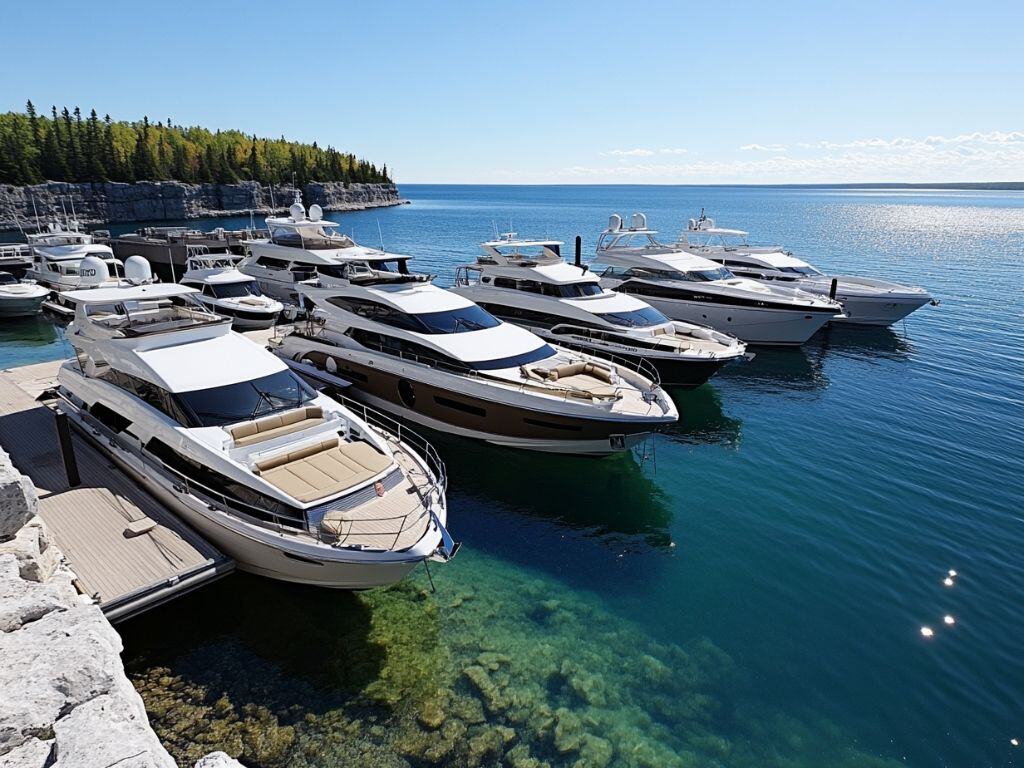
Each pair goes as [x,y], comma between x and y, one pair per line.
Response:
[96,169]
[143,161]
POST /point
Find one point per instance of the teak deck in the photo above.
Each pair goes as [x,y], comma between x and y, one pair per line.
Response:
[127,549]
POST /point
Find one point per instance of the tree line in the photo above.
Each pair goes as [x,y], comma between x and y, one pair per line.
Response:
[68,146]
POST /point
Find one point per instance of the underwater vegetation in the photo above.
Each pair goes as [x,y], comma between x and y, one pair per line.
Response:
[498,667]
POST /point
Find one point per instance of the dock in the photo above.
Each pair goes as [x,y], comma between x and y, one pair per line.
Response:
[129,552]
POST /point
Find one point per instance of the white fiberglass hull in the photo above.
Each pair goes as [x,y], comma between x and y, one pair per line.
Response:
[761,325]
[874,305]
[260,550]
[22,306]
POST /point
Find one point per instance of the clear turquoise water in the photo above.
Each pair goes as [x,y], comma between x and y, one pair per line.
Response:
[799,520]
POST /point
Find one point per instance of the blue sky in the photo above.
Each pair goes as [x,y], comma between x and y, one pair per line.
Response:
[560,92]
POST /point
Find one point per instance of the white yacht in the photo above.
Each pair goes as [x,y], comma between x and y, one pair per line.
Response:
[691,288]
[228,292]
[20,298]
[289,482]
[865,300]
[303,249]
[435,358]
[527,282]
[57,254]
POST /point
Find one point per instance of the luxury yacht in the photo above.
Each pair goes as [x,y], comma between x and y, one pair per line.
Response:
[527,282]
[228,292]
[20,298]
[865,300]
[291,483]
[57,254]
[435,358]
[15,257]
[303,249]
[693,289]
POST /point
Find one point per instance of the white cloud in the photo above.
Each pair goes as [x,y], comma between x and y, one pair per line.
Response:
[676,151]
[638,152]
[998,138]
[762,148]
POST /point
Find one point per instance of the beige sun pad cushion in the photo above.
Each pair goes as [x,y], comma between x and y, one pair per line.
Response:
[279,424]
[324,469]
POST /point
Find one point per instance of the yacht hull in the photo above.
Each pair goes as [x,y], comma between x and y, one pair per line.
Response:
[877,310]
[459,411]
[759,325]
[21,306]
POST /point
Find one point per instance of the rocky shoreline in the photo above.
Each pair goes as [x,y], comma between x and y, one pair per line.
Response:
[119,203]
[66,700]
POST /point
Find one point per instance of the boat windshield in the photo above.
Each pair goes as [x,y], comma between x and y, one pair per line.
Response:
[706,275]
[7,279]
[236,290]
[639,318]
[457,320]
[806,271]
[247,400]
[542,352]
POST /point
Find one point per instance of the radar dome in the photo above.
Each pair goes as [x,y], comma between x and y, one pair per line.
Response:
[639,221]
[92,272]
[614,222]
[137,270]
[316,212]
[297,212]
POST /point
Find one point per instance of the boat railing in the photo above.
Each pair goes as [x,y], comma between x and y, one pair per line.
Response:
[298,524]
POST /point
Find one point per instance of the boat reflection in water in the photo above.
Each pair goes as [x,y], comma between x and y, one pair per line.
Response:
[702,420]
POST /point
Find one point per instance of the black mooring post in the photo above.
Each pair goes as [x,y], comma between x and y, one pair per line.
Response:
[832,288]
[67,449]
[579,250]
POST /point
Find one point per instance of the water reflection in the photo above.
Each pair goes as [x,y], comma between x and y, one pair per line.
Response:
[28,331]
[701,419]
[862,342]
[614,499]
[798,369]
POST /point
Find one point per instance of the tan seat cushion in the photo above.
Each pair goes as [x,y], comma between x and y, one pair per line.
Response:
[576,371]
[279,424]
[323,469]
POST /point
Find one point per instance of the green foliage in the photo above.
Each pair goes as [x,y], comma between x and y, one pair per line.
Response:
[69,147]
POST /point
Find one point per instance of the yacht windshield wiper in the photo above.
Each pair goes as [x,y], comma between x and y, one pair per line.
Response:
[471,324]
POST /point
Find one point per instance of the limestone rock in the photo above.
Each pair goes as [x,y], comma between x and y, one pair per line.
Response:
[37,557]
[53,665]
[22,602]
[116,202]
[32,754]
[218,760]
[18,501]
[109,730]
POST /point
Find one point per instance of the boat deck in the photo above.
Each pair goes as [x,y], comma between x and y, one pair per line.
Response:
[127,550]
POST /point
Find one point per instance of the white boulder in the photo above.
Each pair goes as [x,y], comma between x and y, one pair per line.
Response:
[32,754]
[218,760]
[18,500]
[38,557]
[22,602]
[106,731]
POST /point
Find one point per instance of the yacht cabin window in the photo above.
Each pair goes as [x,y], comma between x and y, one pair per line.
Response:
[558,290]
[246,400]
[235,290]
[471,318]
[7,279]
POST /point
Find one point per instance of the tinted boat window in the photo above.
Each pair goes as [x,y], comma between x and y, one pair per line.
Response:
[246,400]
[458,320]
[236,290]
[542,352]
[639,318]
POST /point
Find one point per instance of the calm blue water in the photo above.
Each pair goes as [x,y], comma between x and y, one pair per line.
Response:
[800,518]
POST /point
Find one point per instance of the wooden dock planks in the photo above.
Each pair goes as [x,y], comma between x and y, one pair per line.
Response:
[92,524]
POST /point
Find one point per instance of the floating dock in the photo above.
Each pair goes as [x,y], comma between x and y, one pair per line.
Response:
[129,552]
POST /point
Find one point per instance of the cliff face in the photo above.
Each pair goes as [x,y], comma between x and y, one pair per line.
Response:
[116,203]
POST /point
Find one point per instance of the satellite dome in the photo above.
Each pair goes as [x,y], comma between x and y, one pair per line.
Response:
[614,222]
[639,221]
[137,270]
[92,272]
[298,213]
[315,212]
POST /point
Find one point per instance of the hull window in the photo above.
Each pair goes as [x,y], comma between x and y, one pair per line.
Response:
[553,425]
[456,405]
[407,393]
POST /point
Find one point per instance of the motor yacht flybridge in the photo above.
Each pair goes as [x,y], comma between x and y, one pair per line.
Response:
[527,282]
[291,483]
[228,292]
[302,248]
[691,288]
[437,359]
[865,300]
[57,255]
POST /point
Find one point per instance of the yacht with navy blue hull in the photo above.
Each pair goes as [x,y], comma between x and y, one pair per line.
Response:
[693,289]
[437,359]
[528,283]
